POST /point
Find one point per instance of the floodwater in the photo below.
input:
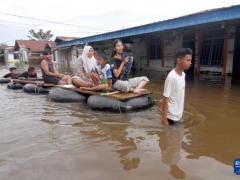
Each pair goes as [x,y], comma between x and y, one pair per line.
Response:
[40,139]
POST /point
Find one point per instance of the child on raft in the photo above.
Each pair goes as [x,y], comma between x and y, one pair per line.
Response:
[12,75]
[101,75]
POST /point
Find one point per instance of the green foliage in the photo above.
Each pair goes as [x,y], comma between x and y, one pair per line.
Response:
[20,63]
[108,53]
[40,35]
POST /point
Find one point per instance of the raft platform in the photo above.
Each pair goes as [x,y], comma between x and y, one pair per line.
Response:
[110,94]
[39,83]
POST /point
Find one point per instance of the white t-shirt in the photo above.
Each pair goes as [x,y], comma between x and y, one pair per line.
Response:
[174,90]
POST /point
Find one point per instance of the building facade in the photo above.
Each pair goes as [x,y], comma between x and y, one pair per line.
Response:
[213,35]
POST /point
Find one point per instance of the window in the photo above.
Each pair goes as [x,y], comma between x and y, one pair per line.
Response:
[155,49]
[212,49]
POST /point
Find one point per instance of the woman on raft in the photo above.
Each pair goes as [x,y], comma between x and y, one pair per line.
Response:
[85,63]
[120,79]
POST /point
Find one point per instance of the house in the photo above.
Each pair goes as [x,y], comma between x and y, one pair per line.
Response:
[8,53]
[67,54]
[213,35]
[32,51]
[50,45]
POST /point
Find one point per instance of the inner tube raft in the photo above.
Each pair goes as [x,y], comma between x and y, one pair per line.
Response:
[32,88]
[4,80]
[13,85]
[101,103]
[61,95]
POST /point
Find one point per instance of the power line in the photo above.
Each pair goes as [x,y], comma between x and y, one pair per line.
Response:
[125,11]
[16,28]
[51,21]
[51,30]
[23,29]
[41,26]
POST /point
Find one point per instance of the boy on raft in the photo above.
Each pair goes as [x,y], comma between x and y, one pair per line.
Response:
[101,75]
[12,75]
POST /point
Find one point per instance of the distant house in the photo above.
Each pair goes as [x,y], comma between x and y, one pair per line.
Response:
[67,54]
[8,53]
[26,50]
[50,45]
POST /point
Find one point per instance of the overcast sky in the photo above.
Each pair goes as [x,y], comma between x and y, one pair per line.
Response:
[100,14]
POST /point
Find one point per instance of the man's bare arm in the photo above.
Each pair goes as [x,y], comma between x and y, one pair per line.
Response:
[44,66]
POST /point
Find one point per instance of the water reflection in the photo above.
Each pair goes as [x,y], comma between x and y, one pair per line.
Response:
[38,136]
[170,143]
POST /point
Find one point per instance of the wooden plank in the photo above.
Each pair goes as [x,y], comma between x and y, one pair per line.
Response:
[40,83]
[121,96]
[34,79]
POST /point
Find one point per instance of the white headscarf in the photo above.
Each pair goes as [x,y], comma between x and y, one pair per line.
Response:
[88,63]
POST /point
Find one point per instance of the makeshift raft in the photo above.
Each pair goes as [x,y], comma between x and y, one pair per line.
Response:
[33,81]
[110,94]
[113,101]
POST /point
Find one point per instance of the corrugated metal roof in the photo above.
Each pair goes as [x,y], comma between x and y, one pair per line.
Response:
[60,39]
[208,16]
[52,44]
[66,38]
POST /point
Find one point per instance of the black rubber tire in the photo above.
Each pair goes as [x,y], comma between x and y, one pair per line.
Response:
[62,95]
[13,85]
[4,80]
[34,89]
[101,103]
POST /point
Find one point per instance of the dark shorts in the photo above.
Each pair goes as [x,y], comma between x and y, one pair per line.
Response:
[172,122]
[52,79]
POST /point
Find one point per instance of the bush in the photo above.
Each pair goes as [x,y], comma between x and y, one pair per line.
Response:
[21,63]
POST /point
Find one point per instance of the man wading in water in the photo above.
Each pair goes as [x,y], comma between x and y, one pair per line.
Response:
[174,88]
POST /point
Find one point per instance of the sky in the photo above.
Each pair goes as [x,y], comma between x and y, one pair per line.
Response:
[97,16]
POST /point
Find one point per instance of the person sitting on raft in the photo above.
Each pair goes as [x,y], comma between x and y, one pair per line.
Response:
[12,74]
[120,78]
[30,73]
[127,53]
[49,71]
[84,64]
[101,75]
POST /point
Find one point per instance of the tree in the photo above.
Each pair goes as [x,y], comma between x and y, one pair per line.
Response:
[40,35]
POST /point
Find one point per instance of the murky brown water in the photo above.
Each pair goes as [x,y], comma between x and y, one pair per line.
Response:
[40,139]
